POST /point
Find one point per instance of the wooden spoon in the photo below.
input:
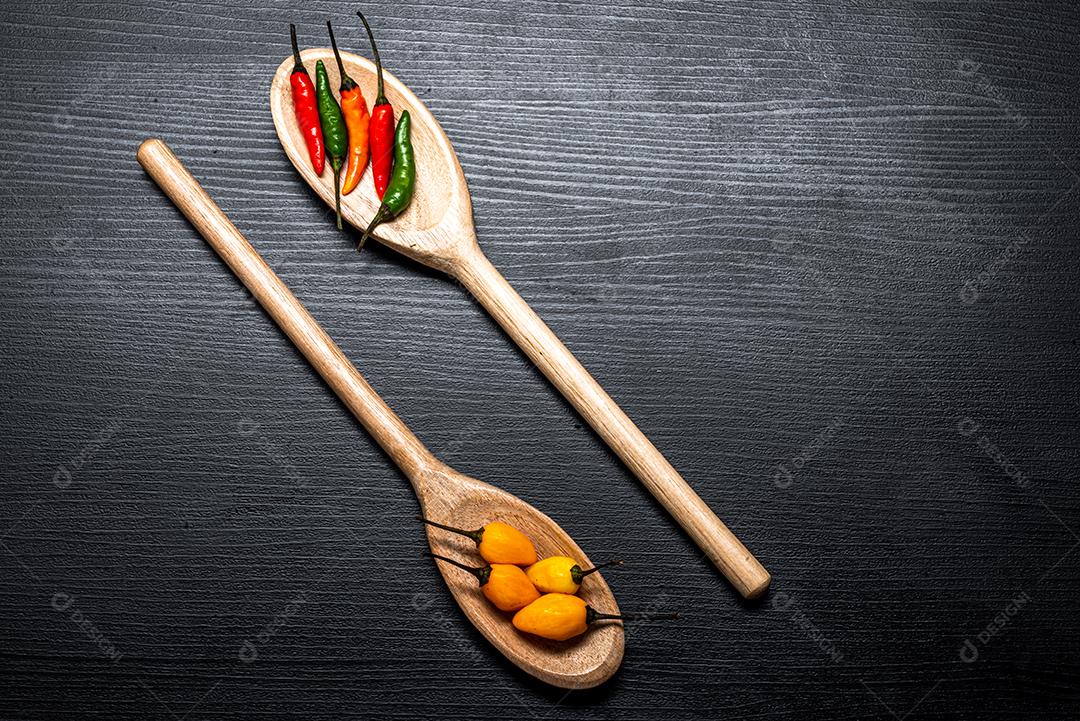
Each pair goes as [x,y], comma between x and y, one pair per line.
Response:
[437,230]
[445,495]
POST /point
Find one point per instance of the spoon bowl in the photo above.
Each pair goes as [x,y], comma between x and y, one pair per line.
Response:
[464,502]
[445,495]
[437,226]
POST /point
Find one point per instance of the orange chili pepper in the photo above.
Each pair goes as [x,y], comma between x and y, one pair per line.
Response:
[506,586]
[497,542]
[357,121]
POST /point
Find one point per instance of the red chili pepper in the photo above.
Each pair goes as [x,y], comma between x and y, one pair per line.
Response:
[381,129]
[307,111]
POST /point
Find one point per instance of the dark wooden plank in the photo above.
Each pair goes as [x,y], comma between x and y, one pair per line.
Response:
[825,255]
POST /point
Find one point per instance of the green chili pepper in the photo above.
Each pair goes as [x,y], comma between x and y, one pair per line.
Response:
[334,131]
[402,178]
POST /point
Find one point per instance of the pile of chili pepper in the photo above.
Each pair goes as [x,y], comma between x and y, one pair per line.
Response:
[543,596]
[347,135]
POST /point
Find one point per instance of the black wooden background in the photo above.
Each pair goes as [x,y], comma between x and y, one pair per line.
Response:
[825,255]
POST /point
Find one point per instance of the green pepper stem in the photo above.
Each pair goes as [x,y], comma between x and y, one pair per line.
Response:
[335,163]
[383,214]
[482,574]
[577,574]
[380,99]
[298,67]
[475,535]
[346,82]
[592,615]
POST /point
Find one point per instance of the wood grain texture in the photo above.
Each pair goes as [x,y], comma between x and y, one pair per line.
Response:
[436,229]
[762,262]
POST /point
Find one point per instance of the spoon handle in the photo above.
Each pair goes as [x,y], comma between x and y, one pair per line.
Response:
[407,451]
[560,366]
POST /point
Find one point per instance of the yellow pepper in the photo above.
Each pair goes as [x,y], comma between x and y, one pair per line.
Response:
[560,574]
[560,616]
[557,616]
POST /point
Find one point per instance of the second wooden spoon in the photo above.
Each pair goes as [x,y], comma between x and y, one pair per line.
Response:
[437,230]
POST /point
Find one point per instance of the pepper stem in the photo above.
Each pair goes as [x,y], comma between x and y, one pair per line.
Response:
[336,165]
[482,574]
[577,574]
[475,535]
[298,67]
[380,99]
[382,215]
[592,615]
[346,82]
